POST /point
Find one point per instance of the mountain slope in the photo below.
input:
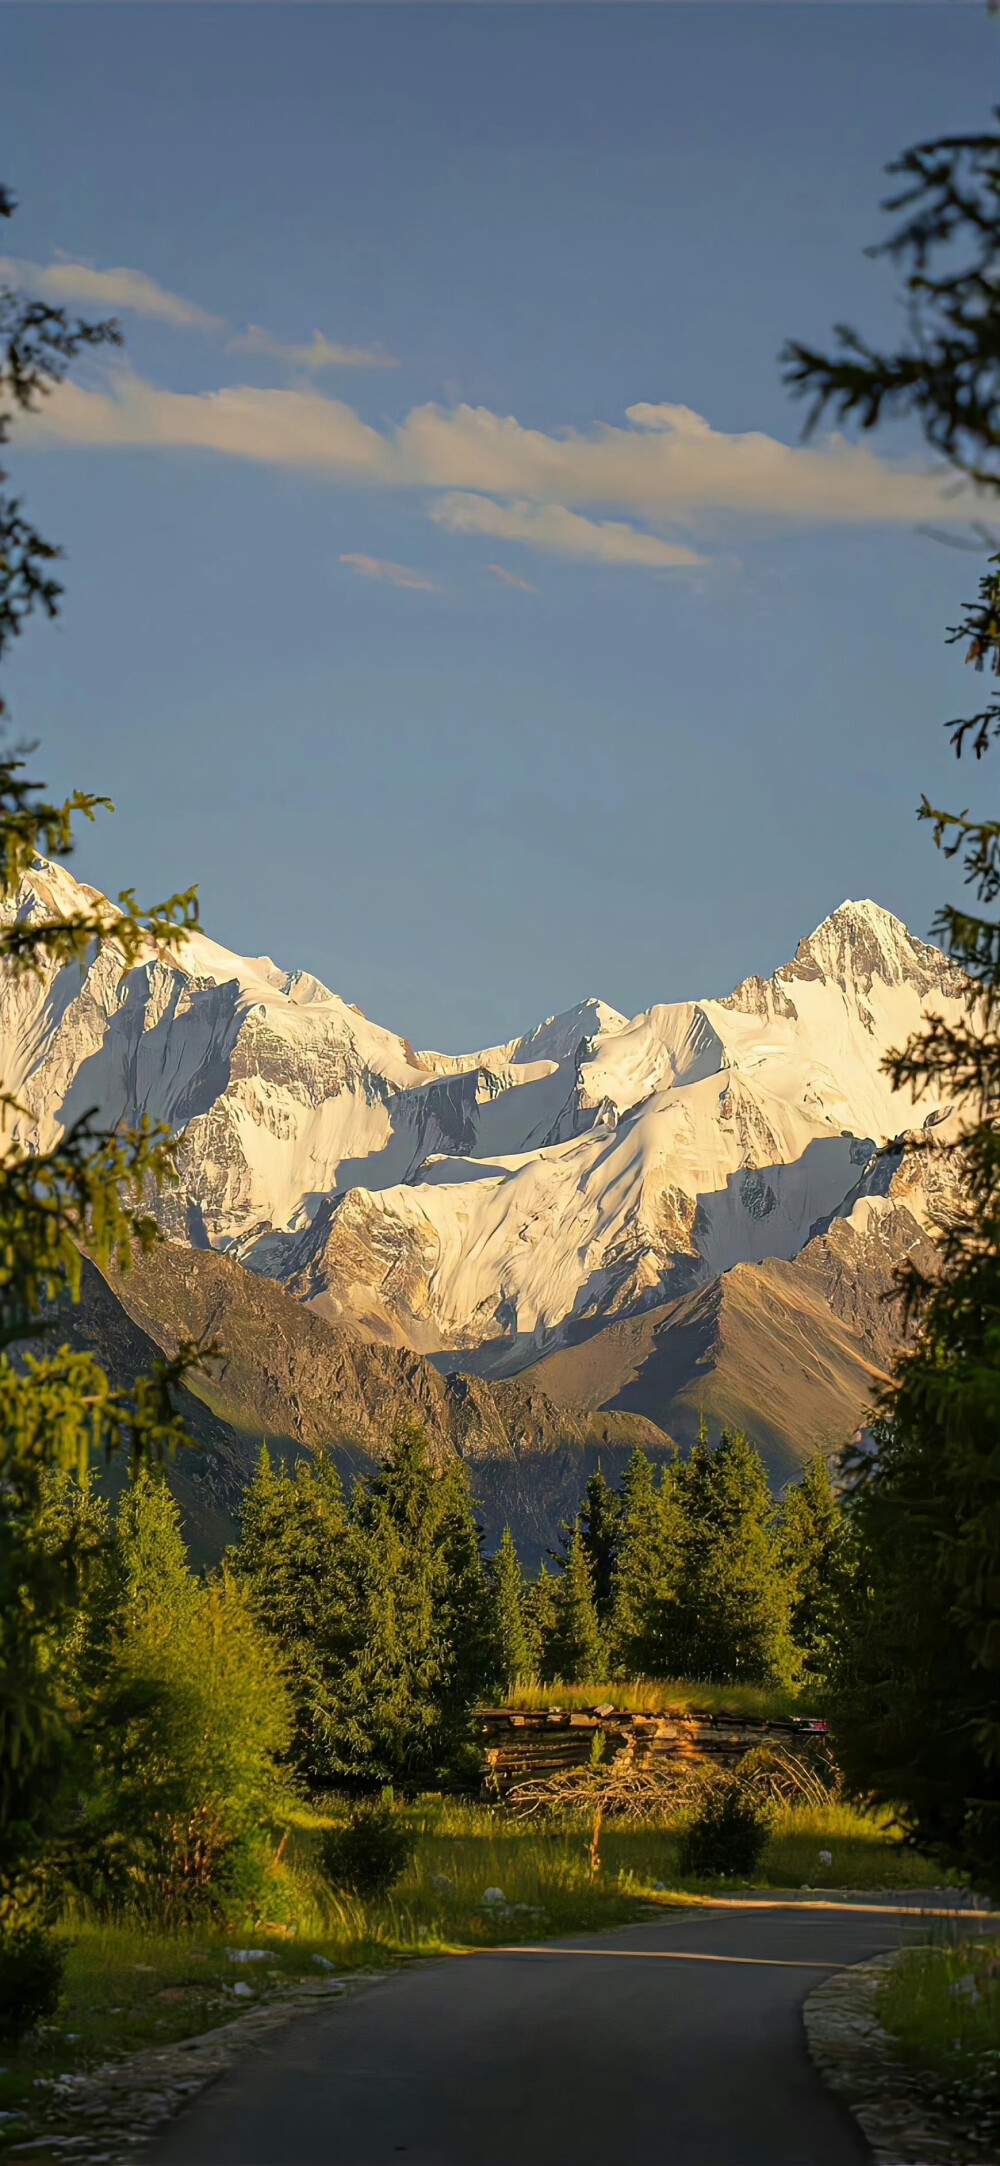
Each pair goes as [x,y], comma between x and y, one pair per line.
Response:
[287,1377]
[794,1351]
[208,1480]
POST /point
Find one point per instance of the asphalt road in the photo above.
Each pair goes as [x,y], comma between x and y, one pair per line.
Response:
[679,2042]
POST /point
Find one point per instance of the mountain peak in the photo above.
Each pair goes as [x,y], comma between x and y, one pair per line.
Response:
[861,941]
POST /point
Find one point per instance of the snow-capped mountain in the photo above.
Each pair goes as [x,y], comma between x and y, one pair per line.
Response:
[490,1206]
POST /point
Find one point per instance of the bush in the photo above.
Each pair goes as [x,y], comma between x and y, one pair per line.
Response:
[728,1834]
[371,1853]
[189,1724]
[31,1973]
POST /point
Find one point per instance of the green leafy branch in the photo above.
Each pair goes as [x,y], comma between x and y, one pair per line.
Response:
[62,1409]
[88,1191]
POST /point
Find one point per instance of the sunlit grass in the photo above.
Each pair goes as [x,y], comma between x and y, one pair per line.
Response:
[670,1695]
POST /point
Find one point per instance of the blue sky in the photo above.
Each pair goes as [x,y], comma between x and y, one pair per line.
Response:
[545,661]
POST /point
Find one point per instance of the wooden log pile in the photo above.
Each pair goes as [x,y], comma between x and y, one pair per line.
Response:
[522,1744]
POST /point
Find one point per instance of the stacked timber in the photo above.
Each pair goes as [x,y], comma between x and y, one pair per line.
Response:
[522,1743]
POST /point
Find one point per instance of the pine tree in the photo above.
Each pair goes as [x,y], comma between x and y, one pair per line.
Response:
[600,1525]
[514,1650]
[297,1560]
[731,1620]
[424,1652]
[539,1620]
[91,1188]
[382,1610]
[643,1586]
[815,1562]
[918,1705]
[573,1651]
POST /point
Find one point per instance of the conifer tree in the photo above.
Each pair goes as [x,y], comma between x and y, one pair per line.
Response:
[297,1560]
[600,1524]
[382,1610]
[424,1648]
[918,1704]
[731,1618]
[815,1562]
[643,1587]
[90,1188]
[514,1650]
[573,1651]
[539,1614]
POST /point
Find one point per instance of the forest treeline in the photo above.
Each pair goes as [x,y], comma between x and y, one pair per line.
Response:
[345,1639]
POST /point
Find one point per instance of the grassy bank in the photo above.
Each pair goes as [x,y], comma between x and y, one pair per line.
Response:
[941,2006]
[671,1694]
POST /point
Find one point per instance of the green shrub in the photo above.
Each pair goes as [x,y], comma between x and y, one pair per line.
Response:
[31,1973]
[190,1720]
[728,1834]
[371,1853]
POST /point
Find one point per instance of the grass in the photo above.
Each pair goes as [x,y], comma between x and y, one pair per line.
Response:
[941,2006]
[670,1695]
[547,1865]
[127,1988]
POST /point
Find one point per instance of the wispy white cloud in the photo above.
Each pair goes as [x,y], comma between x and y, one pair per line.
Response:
[276,428]
[392,575]
[511,579]
[667,464]
[667,468]
[320,353]
[552,526]
[80,283]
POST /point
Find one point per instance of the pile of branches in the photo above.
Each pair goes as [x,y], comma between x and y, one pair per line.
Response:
[620,1789]
[627,1788]
[778,1777]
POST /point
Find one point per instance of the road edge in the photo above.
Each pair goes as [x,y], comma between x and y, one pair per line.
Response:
[110,2114]
[856,2058]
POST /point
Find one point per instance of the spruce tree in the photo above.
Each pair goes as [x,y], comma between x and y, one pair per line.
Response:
[731,1618]
[424,1649]
[918,1704]
[600,1525]
[643,1586]
[815,1561]
[90,1189]
[297,1560]
[539,1620]
[574,1652]
[514,1651]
